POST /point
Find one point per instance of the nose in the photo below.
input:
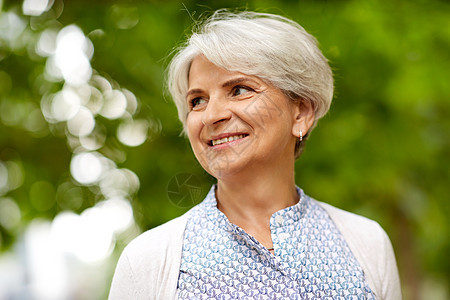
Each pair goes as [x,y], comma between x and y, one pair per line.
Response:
[217,111]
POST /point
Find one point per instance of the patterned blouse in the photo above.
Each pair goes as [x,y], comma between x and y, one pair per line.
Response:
[311,259]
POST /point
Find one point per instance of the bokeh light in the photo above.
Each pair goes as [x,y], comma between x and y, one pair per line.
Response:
[115,213]
[11,27]
[11,176]
[47,271]
[35,123]
[10,215]
[36,7]
[46,44]
[69,196]
[90,236]
[132,102]
[124,17]
[11,273]
[115,104]
[88,167]
[95,140]
[82,123]
[119,183]
[65,105]
[95,99]
[71,58]
[133,132]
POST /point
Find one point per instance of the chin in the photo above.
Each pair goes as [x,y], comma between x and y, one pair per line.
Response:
[222,168]
[228,162]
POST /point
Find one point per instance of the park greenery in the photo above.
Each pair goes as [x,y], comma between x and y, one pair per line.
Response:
[85,118]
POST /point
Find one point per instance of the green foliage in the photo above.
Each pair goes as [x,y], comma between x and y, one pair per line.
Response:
[382,151]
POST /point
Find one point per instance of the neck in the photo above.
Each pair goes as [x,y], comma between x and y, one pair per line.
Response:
[249,199]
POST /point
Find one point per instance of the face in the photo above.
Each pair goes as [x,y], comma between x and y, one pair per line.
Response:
[238,123]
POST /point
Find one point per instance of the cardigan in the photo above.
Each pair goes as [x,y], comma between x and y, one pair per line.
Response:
[149,266]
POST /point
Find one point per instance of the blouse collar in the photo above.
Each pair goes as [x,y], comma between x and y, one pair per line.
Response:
[284,217]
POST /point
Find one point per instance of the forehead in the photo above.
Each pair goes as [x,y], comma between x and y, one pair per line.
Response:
[202,72]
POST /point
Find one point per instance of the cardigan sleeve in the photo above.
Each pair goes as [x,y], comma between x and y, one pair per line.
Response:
[373,250]
[148,268]
[123,285]
[389,273]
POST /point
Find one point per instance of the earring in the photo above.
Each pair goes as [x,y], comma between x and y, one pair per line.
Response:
[301,135]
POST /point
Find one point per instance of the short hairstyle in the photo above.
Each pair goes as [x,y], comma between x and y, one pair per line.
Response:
[271,47]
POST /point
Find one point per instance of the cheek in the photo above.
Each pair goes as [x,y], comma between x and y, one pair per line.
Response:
[266,107]
[269,114]
[193,128]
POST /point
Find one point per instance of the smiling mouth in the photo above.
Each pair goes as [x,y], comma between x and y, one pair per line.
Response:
[227,139]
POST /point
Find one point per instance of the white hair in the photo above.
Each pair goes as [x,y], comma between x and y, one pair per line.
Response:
[271,47]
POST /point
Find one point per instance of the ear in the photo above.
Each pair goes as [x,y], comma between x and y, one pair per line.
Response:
[303,118]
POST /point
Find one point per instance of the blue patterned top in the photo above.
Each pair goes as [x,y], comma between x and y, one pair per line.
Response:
[311,259]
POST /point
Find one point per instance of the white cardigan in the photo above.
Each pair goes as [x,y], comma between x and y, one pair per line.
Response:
[149,266]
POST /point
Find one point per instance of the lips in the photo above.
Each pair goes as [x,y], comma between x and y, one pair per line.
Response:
[226,138]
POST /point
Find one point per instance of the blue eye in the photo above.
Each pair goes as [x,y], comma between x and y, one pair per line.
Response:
[239,90]
[197,101]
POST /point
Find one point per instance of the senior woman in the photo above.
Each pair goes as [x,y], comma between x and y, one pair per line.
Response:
[249,88]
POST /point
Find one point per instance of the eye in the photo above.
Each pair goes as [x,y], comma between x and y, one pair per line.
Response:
[240,90]
[197,101]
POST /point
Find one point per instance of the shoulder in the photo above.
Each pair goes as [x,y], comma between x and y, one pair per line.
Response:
[356,226]
[158,241]
[363,235]
[372,248]
[148,266]
[161,235]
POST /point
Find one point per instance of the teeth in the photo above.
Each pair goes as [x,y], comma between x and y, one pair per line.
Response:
[227,139]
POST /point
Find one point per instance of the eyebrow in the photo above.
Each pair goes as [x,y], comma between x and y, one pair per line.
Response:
[235,81]
[194,91]
[228,83]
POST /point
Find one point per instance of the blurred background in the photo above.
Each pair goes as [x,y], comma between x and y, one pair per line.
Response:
[90,152]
